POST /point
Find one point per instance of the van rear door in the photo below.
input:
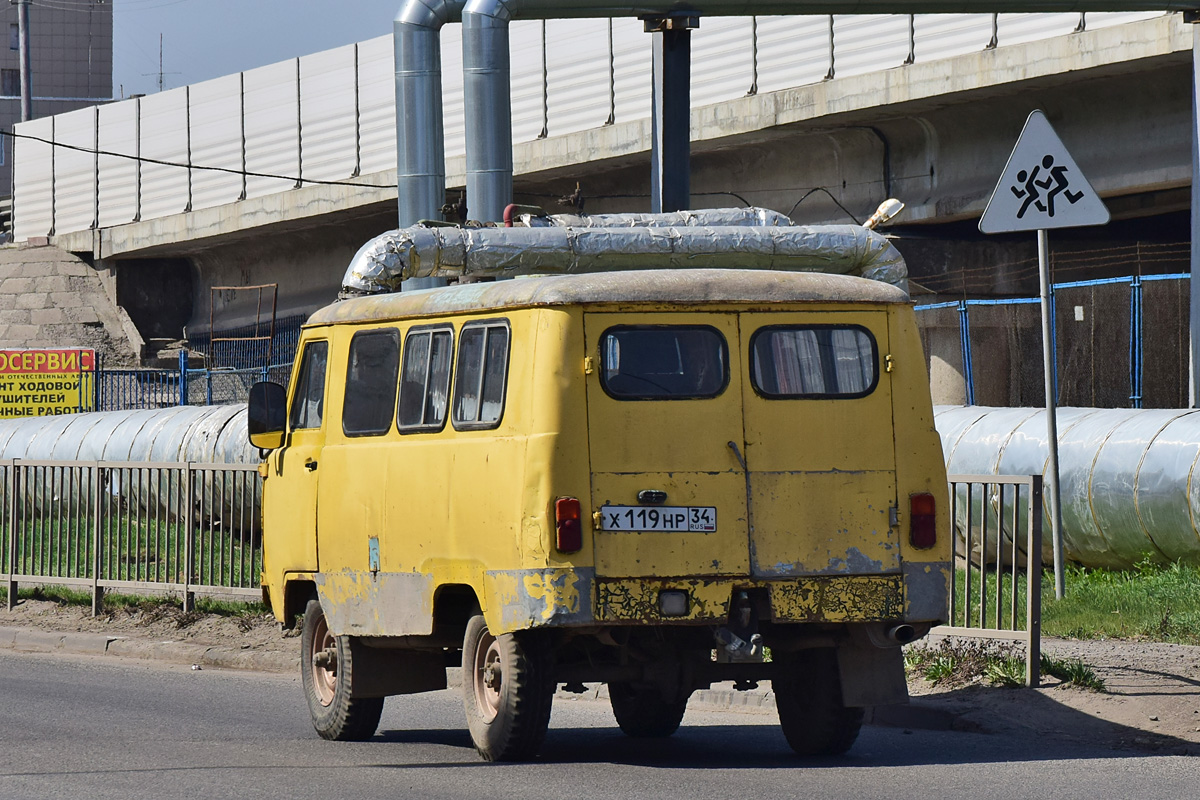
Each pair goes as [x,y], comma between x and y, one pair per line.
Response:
[820,449]
[664,405]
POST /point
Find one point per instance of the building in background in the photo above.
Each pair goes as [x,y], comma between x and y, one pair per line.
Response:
[71,57]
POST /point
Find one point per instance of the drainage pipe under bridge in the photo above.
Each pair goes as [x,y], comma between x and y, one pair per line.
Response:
[1128,487]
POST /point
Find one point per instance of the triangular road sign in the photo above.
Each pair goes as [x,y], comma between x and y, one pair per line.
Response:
[1041,187]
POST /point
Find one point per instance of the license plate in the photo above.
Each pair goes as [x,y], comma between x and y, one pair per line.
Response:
[669,519]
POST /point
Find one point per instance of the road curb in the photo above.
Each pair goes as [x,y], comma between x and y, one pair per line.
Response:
[915,716]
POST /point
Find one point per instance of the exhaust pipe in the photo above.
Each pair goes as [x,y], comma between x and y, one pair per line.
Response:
[901,634]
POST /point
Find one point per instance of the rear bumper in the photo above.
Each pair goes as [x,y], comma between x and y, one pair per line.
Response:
[918,594]
[568,597]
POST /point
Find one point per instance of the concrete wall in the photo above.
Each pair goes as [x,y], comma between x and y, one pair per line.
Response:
[50,298]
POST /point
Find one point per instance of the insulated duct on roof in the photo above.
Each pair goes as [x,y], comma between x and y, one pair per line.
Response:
[419,252]
[706,216]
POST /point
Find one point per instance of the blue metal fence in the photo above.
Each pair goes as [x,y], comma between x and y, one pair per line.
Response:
[1136,328]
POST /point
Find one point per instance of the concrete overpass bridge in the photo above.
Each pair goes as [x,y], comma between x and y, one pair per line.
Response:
[280,174]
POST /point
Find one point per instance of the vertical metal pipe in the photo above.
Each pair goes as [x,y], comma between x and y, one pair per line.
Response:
[1014,539]
[670,177]
[23,47]
[1051,411]
[420,153]
[911,58]
[486,97]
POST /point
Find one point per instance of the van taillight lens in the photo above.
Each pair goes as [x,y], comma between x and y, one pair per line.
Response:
[922,532]
[568,527]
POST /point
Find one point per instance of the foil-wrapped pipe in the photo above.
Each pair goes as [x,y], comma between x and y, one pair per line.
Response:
[421,252]
[1126,478]
[198,434]
[719,217]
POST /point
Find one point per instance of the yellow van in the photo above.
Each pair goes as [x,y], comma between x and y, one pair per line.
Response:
[656,480]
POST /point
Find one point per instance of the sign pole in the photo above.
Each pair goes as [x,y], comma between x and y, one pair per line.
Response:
[1043,245]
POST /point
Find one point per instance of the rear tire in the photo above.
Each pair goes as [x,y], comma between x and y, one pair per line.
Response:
[508,688]
[642,713]
[808,696]
[335,715]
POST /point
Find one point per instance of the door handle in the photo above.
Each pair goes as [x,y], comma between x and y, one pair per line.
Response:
[310,465]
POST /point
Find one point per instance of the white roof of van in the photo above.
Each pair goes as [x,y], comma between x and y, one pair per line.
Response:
[683,286]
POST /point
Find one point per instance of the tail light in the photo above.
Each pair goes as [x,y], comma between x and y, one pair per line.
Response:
[922,521]
[568,527]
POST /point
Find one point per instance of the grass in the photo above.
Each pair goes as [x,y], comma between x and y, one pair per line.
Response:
[132,548]
[1150,601]
[953,662]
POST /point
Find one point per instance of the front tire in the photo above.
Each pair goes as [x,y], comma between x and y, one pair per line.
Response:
[642,713]
[327,673]
[808,696]
[508,687]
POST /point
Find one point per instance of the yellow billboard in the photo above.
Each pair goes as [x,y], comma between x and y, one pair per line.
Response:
[43,383]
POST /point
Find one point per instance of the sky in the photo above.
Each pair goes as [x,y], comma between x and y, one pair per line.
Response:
[205,39]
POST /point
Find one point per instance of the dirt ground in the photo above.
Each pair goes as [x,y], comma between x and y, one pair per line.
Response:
[1152,702]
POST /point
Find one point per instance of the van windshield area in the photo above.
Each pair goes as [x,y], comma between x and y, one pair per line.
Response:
[813,361]
[663,362]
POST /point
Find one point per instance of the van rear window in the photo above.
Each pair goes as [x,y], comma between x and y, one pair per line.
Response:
[813,361]
[664,362]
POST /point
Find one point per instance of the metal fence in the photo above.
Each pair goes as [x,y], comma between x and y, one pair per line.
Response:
[997,523]
[172,528]
[1106,354]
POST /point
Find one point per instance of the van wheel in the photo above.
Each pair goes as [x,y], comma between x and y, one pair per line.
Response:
[327,672]
[643,713]
[508,686]
[808,696]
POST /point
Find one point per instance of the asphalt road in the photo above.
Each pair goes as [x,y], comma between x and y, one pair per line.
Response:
[74,727]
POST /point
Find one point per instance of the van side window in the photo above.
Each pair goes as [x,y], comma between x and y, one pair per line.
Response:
[481,374]
[425,380]
[308,404]
[813,361]
[663,362]
[371,383]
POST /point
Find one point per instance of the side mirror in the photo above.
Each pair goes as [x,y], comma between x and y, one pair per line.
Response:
[268,415]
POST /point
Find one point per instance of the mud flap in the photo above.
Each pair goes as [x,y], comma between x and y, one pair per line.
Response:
[382,672]
[872,676]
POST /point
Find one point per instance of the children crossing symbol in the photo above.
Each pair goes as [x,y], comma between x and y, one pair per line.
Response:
[1042,187]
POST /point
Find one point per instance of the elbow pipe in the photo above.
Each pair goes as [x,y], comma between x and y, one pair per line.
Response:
[488,107]
[420,148]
